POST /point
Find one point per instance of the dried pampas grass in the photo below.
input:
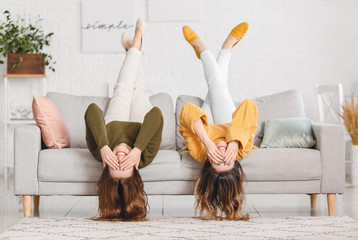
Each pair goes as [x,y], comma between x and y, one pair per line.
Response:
[350,117]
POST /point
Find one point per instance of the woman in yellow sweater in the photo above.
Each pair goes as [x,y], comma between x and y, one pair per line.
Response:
[219,146]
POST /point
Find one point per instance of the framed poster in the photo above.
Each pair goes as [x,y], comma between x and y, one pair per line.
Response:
[103,23]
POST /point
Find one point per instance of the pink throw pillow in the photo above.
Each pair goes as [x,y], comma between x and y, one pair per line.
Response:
[54,131]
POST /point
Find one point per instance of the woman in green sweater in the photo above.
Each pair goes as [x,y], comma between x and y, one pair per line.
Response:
[125,139]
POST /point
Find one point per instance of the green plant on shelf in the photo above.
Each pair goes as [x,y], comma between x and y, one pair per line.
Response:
[17,36]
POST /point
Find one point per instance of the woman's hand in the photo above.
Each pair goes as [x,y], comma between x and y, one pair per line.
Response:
[231,152]
[132,159]
[109,158]
[213,152]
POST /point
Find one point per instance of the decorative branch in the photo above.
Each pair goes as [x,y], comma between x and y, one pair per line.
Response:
[350,117]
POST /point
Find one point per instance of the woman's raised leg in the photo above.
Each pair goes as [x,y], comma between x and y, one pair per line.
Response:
[217,76]
[218,99]
[232,39]
[140,99]
[222,105]
[120,105]
[207,108]
[223,60]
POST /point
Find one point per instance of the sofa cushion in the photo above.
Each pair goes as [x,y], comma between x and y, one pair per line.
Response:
[288,133]
[280,105]
[189,168]
[273,164]
[68,165]
[282,164]
[288,104]
[165,167]
[181,101]
[164,102]
[54,131]
[74,107]
[78,165]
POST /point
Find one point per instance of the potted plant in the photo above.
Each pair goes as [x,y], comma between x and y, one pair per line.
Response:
[22,43]
[350,116]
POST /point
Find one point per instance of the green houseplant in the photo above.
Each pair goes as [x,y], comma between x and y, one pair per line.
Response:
[22,43]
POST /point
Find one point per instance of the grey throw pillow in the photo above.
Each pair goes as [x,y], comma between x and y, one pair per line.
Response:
[288,133]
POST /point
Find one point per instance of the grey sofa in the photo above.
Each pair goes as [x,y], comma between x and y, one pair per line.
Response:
[74,171]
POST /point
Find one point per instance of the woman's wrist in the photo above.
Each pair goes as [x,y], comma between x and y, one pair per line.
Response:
[207,141]
[137,149]
[105,146]
[234,141]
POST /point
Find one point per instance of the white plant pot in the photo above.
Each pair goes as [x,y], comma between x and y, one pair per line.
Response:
[354,164]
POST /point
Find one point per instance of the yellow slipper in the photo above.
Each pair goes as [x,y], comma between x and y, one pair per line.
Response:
[239,31]
[190,36]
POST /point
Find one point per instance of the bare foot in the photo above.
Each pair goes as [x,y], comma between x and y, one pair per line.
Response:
[137,40]
[229,42]
[199,45]
[128,45]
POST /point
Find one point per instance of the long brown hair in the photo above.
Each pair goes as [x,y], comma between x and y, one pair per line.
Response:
[219,193]
[121,199]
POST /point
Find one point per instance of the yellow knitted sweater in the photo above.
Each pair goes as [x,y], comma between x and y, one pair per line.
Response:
[242,129]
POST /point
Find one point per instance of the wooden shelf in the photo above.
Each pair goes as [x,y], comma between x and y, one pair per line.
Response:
[24,76]
[21,119]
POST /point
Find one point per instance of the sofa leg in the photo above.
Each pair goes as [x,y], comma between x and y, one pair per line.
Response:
[331,199]
[313,200]
[26,200]
[36,202]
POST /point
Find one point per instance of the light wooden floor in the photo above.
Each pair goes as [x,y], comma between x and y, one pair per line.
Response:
[258,205]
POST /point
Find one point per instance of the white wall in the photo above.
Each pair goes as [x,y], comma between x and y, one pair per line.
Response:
[290,45]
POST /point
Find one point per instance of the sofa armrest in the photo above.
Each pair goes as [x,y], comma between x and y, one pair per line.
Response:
[27,139]
[330,142]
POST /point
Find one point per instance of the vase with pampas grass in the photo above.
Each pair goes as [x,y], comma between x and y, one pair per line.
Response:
[350,117]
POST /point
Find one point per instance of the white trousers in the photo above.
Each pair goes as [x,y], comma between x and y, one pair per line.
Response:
[130,101]
[218,103]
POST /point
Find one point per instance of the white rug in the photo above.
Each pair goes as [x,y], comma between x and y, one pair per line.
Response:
[186,228]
